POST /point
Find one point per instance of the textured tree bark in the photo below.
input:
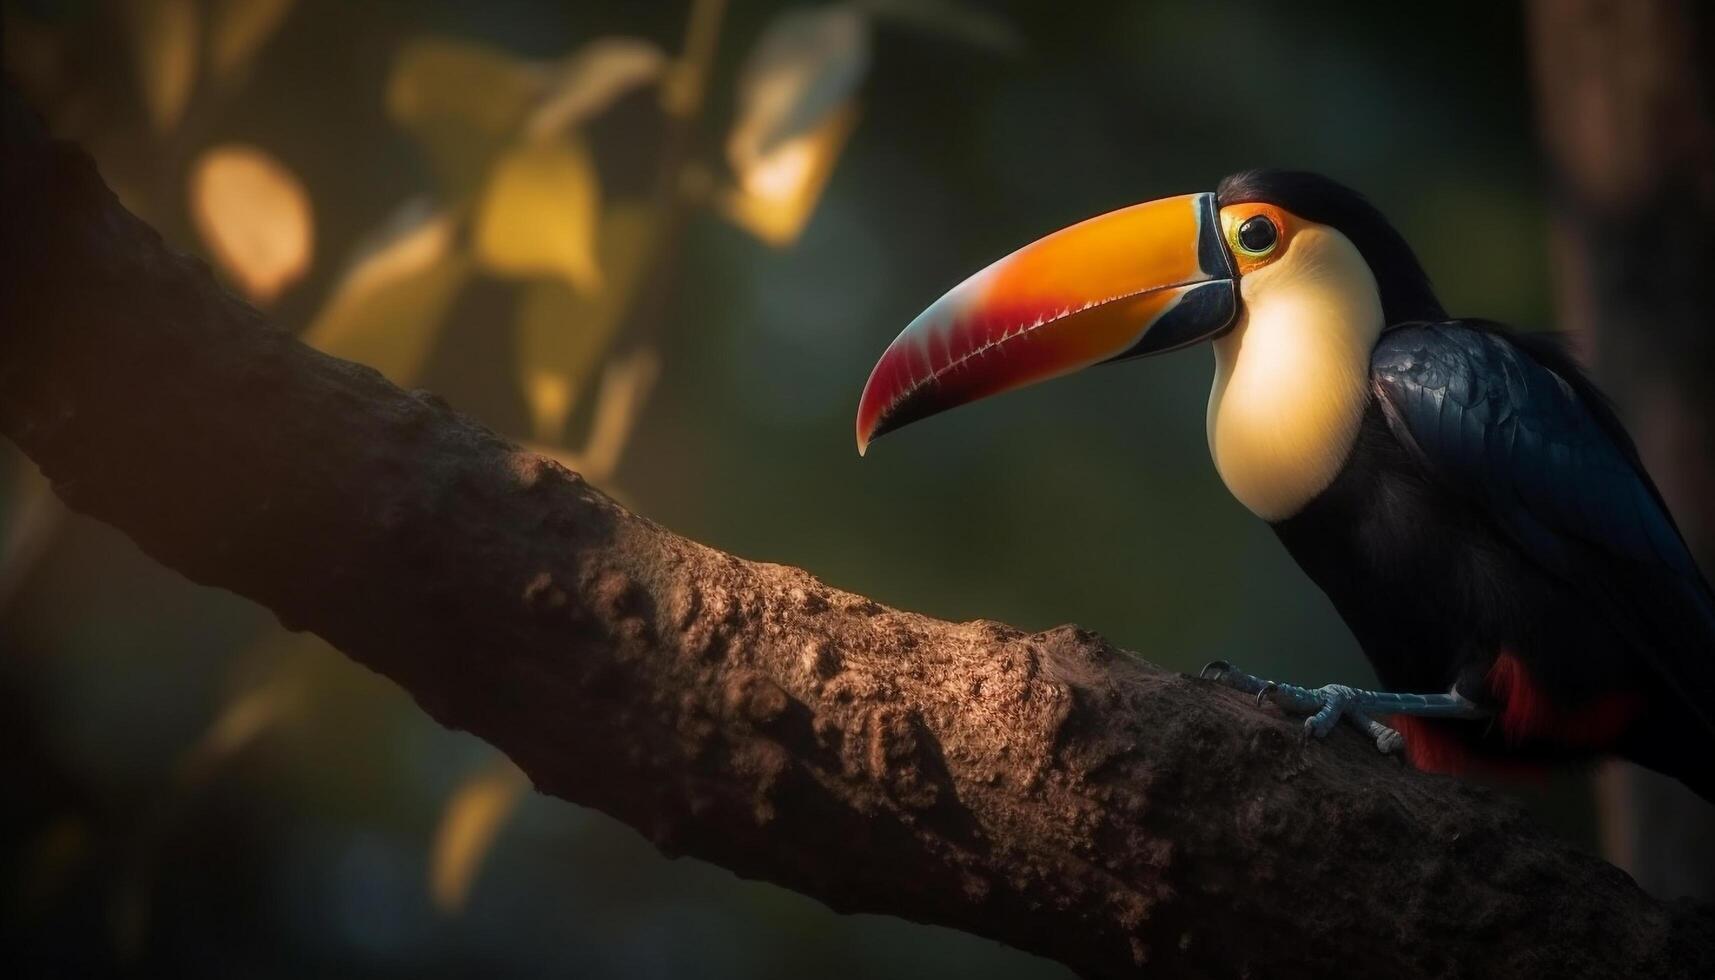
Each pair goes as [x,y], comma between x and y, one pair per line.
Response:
[1626,90]
[1046,790]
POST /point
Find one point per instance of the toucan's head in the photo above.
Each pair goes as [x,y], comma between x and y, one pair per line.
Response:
[1149,279]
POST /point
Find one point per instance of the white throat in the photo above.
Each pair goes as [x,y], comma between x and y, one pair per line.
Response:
[1292,377]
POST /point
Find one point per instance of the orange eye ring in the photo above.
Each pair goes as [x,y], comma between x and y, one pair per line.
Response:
[1257,233]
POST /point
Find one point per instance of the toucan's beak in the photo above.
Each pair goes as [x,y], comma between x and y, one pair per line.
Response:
[1142,280]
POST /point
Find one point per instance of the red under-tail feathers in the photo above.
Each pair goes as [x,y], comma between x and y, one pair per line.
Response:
[1527,714]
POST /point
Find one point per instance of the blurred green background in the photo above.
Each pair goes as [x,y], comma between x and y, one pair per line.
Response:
[188,789]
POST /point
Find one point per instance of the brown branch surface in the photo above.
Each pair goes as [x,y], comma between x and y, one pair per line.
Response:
[1046,790]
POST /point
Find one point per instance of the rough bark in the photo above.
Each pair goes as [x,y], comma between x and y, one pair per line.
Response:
[1046,790]
[1626,92]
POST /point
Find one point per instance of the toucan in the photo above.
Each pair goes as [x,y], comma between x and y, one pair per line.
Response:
[1462,493]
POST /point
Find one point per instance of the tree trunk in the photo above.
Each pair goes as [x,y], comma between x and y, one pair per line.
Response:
[1625,90]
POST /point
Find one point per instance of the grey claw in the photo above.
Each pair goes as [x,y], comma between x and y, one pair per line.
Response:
[1323,722]
[1218,666]
[1263,694]
[1389,741]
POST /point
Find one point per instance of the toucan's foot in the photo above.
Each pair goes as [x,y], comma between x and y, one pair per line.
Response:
[1233,677]
[1388,740]
[1325,705]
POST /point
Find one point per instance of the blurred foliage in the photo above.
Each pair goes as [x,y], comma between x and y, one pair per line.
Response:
[386,310]
[474,815]
[254,217]
[664,242]
[165,34]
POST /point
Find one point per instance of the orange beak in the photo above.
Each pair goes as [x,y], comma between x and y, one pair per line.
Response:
[1142,280]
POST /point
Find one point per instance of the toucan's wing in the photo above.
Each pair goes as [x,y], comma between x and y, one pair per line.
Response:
[1556,473]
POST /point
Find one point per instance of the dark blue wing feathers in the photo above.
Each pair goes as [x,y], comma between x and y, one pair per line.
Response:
[1510,432]
[1557,474]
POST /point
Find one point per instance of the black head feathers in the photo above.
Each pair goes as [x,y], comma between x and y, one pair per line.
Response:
[1406,293]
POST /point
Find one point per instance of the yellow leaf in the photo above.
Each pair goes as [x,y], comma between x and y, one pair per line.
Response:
[954,19]
[550,396]
[164,46]
[473,817]
[237,29]
[255,218]
[625,386]
[591,79]
[559,343]
[389,308]
[538,214]
[30,515]
[778,191]
[238,725]
[443,78]
[562,335]
[807,64]
[463,102]
[685,83]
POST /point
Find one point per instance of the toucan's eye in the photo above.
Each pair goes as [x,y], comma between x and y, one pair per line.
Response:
[1258,235]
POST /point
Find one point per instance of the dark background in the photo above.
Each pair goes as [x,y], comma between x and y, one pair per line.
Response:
[305,847]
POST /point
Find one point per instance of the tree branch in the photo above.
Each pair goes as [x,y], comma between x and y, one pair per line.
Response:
[1046,790]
